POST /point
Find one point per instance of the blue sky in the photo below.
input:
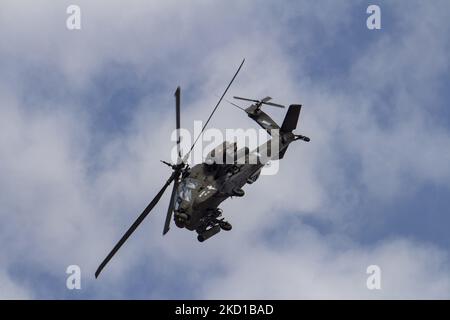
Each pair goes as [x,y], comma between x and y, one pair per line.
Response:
[86,116]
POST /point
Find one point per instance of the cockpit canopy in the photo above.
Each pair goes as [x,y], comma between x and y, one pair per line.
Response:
[184,193]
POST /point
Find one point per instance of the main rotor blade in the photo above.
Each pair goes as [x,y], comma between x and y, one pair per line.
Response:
[134,225]
[171,205]
[215,108]
[177,111]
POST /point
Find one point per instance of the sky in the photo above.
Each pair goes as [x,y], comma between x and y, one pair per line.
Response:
[86,115]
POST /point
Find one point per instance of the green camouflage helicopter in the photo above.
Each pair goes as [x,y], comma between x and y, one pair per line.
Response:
[198,191]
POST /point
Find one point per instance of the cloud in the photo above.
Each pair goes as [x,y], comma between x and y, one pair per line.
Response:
[86,116]
[10,290]
[304,265]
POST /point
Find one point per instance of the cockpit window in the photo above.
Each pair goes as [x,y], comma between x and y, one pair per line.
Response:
[186,187]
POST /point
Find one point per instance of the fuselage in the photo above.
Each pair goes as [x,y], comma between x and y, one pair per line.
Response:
[208,184]
[206,187]
[203,187]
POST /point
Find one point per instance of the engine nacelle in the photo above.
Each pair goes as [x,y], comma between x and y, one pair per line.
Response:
[223,153]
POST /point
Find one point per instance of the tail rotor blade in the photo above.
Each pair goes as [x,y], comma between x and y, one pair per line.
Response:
[230,102]
[234,104]
[133,227]
[246,99]
[274,104]
[262,101]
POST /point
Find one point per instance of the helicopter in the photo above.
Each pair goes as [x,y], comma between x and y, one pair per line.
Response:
[198,191]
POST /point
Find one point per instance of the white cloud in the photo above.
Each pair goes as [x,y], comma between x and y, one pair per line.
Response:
[306,265]
[11,290]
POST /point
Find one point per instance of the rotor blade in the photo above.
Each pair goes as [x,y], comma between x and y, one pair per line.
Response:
[215,108]
[171,205]
[246,99]
[234,104]
[263,101]
[177,111]
[135,225]
[274,104]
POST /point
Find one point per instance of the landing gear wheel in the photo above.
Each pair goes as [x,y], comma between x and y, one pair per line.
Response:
[238,192]
[180,219]
[226,226]
[182,216]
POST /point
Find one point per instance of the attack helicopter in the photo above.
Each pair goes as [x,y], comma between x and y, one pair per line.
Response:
[198,191]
